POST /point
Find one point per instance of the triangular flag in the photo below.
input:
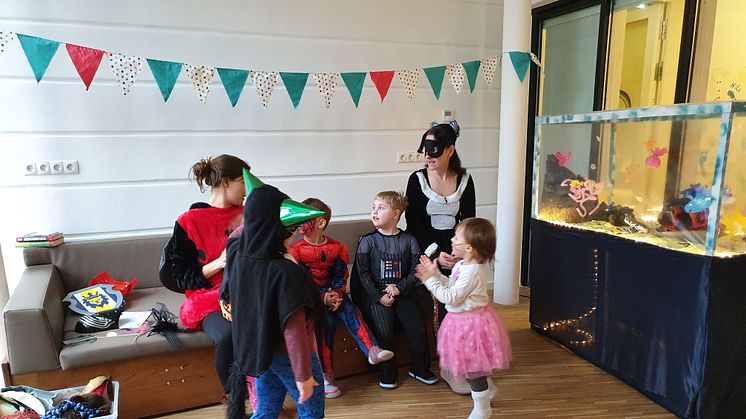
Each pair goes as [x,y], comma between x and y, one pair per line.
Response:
[489,65]
[435,77]
[265,83]
[86,61]
[295,83]
[382,80]
[354,83]
[233,82]
[39,53]
[520,62]
[472,70]
[125,69]
[326,82]
[409,79]
[6,37]
[165,74]
[456,76]
[201,76]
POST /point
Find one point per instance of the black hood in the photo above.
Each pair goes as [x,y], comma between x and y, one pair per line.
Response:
[263,233]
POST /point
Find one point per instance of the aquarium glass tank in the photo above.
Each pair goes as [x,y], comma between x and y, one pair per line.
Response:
[671,176]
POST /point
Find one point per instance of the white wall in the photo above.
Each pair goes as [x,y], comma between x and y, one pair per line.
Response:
[135,151]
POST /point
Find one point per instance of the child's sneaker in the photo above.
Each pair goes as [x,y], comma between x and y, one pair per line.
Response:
[492,388]
[426,377]
[389,377]
[330,390]
[376,355]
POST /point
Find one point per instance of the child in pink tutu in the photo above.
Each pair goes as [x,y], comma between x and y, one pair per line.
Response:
[472,341]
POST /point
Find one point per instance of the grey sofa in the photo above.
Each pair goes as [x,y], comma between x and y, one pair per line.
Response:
[153,379]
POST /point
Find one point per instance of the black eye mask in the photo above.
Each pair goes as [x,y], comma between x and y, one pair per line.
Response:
[433,148]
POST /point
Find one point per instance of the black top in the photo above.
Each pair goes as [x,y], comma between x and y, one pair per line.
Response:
[418,220]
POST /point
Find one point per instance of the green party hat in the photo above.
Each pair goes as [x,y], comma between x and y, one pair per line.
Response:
[250,181]
[293,213]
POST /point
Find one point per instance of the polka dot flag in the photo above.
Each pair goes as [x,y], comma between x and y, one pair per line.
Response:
[489,65]
[125,69]
[455,73]
[409,79]
[5,38]
[265,84]
[201,76]
[326,82]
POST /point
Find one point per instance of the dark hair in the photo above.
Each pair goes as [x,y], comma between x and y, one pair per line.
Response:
[480,235]
[319,205]
[448,133]
[212,171]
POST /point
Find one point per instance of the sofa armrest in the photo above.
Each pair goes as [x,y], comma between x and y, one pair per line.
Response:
[34,319]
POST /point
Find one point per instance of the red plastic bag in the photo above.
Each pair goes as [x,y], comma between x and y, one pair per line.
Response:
[121,286]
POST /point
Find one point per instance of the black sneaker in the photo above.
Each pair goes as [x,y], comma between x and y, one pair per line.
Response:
[388,379]
[426,377]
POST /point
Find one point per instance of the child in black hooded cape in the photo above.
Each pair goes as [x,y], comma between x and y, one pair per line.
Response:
[275,307]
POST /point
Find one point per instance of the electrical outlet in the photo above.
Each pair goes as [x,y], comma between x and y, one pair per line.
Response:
[70,167]
[57,168]
[29,169]
[43,168]
[409,157]
[446,115]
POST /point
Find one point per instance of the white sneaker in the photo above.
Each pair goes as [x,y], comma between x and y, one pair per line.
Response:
[376,355]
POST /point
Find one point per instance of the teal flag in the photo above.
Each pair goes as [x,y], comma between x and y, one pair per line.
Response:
[233,82]
[294,83]
[472,69]
[39,53]
[165,74]
[435,77]
[354,83]
[520,62]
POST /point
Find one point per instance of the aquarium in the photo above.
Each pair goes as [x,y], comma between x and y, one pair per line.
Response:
[671,176]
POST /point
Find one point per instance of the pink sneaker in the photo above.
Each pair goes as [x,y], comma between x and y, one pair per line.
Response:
[376,355]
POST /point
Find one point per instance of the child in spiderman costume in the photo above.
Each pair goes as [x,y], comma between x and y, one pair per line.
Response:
[326,259]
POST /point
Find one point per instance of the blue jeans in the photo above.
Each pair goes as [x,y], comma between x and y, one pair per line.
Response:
[278,380]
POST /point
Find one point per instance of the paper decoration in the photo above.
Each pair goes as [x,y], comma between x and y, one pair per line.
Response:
[6,37]
[326,83]
[265,83]
[382,80]
[39,53]
[456,76]
[201,76]
[295,83]
[354,83]
[409,79]
[125,69]
[86,62]
[435,77]
[520,62]
[165,74]
[472,69]
[489,65]
[233,82]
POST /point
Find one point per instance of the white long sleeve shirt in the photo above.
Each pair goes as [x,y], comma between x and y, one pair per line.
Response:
[465,290]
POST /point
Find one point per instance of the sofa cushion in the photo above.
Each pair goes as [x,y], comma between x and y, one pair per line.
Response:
[108,349]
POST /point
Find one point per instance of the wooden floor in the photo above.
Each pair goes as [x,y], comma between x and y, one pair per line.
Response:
[545,380]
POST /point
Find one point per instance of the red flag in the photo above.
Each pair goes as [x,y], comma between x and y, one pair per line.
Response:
[382,80]
[86,61]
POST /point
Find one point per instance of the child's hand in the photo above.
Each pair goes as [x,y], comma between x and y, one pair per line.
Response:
[226,310]
[427,268]
[331,299]
[305,389]
[447,261]
[392,290]
[337,304]
[387,300]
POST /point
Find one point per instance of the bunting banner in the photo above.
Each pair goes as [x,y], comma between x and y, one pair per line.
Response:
[456,76]
[165,74]
[86,62]
[409,79]
[265,84]
[39,53]
[294,83]
[201,77]
[233,82]
[327,82]
[125,69]
[6,37]
[489,65]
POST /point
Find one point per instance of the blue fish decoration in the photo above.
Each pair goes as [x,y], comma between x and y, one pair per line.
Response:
[699,198]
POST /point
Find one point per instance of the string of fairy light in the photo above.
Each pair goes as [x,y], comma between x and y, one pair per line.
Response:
[584,336]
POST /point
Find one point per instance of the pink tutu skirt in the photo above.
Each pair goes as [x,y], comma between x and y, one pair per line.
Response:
[474,343]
